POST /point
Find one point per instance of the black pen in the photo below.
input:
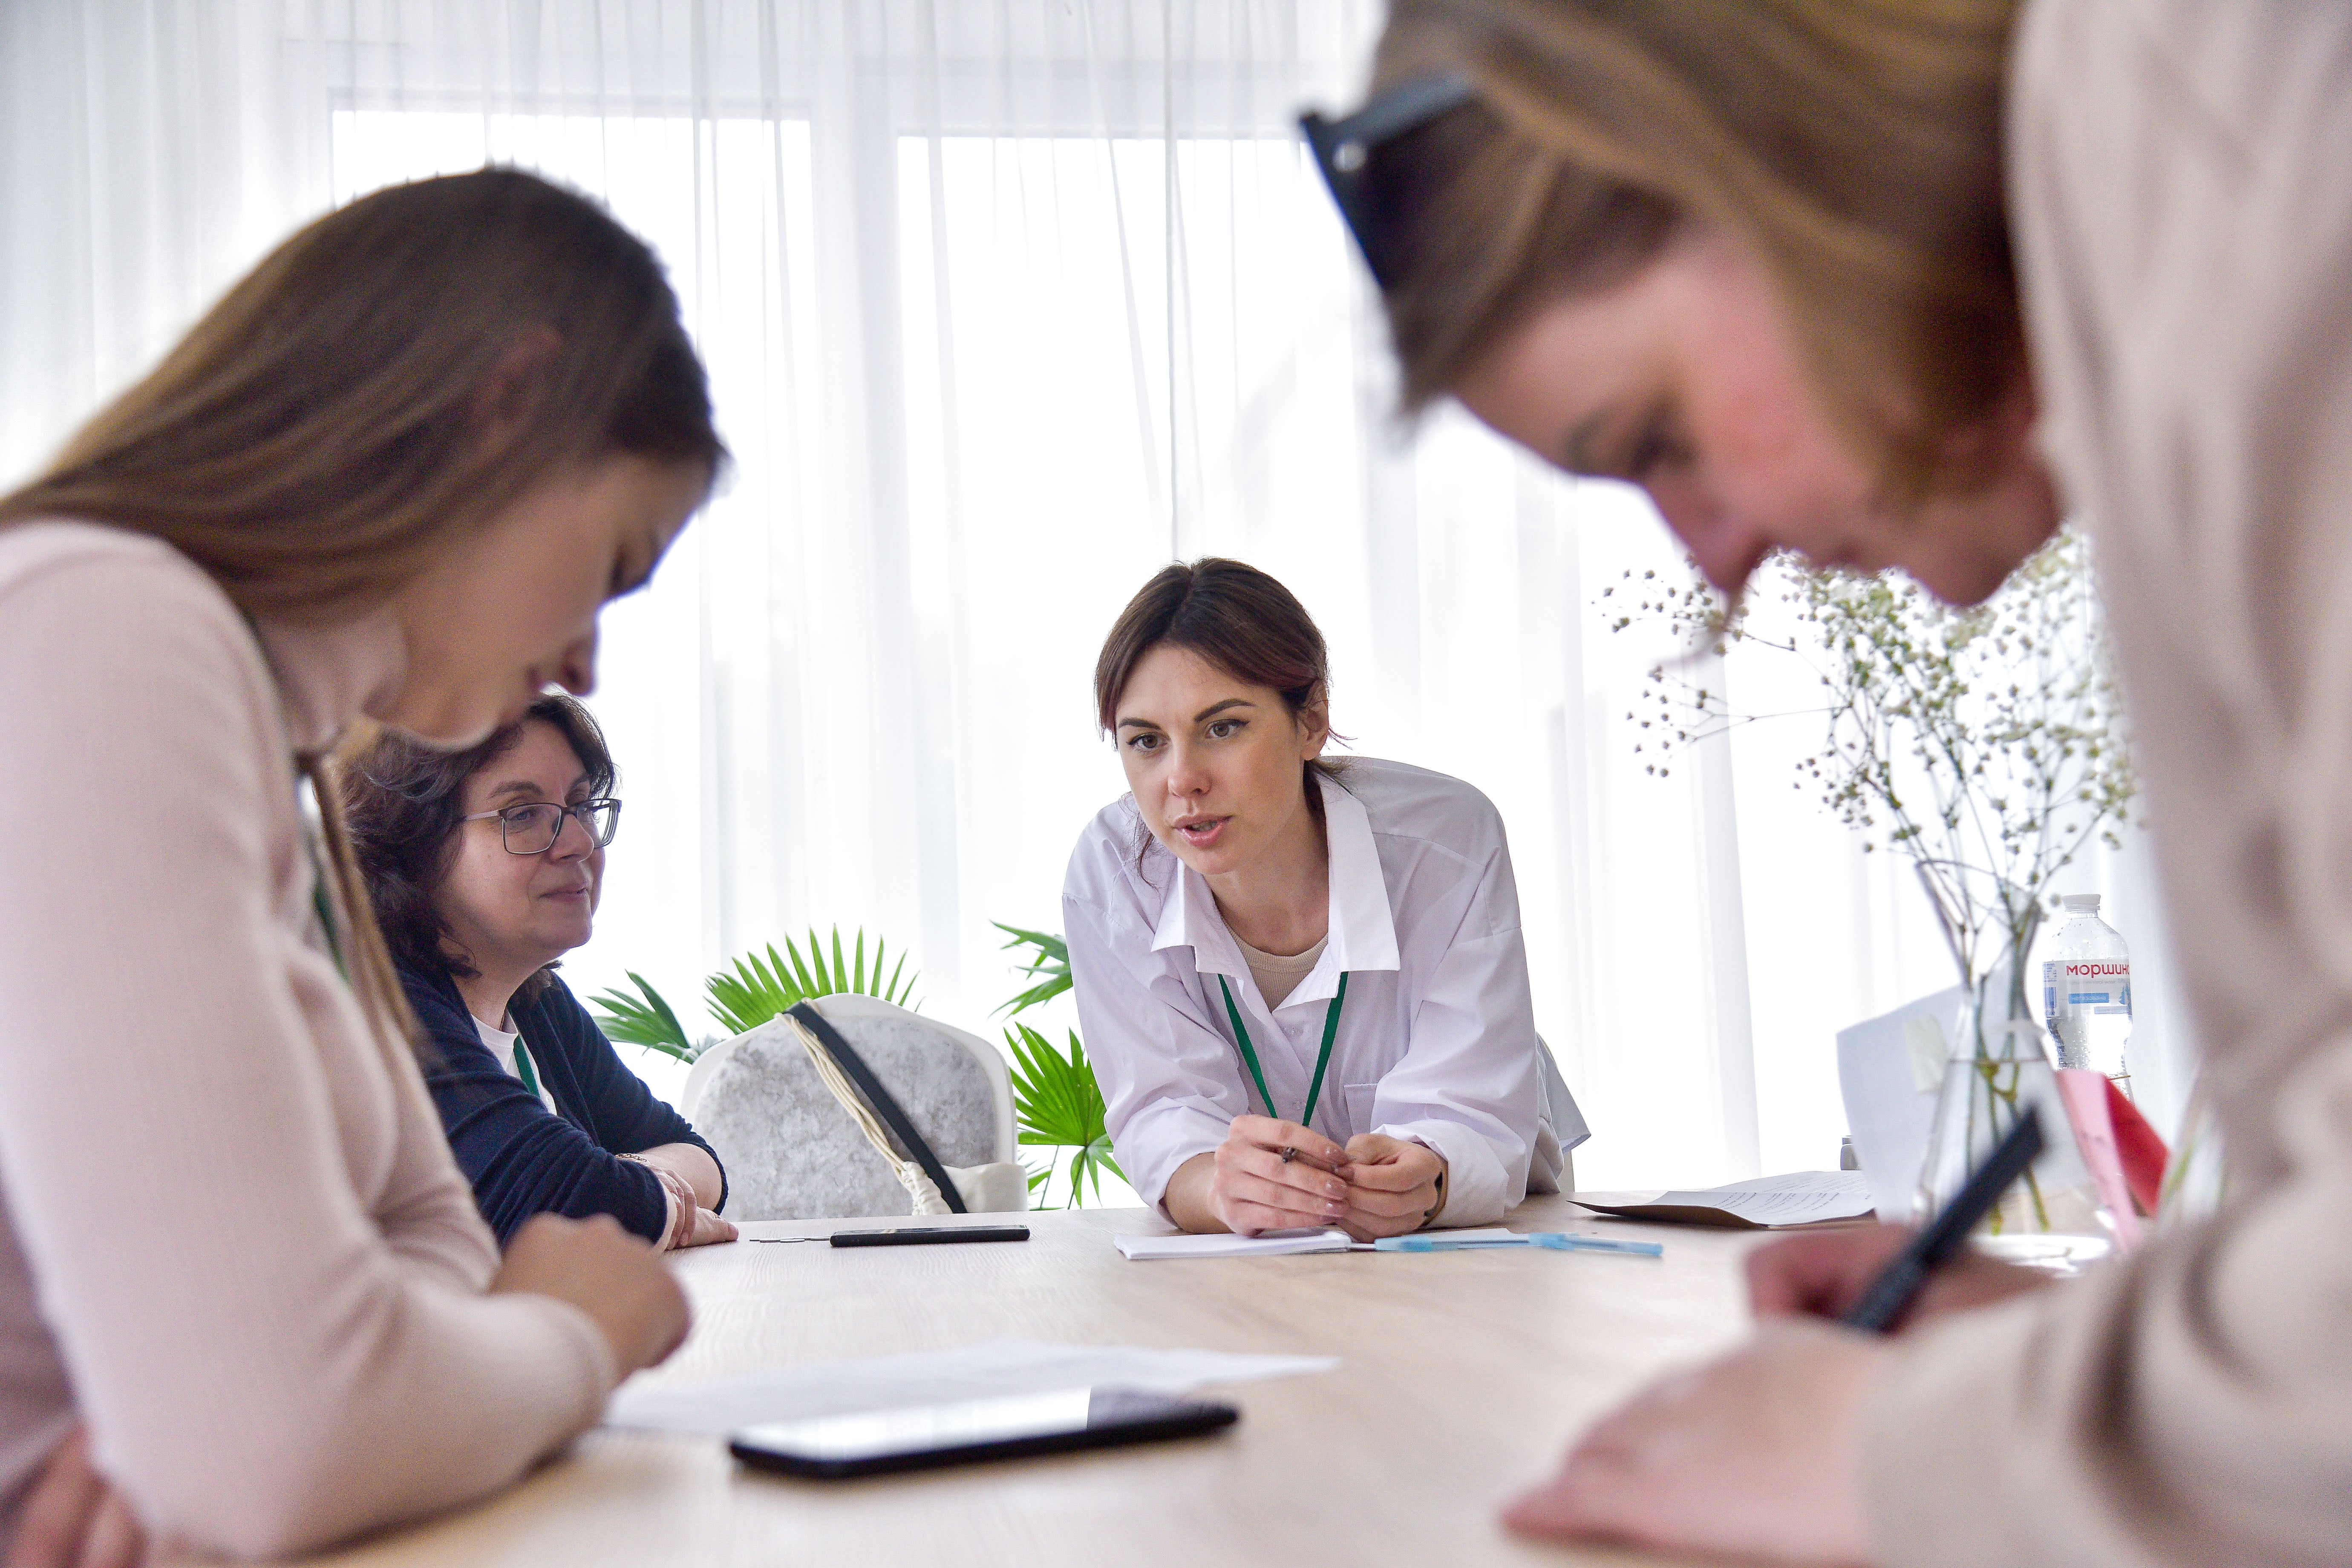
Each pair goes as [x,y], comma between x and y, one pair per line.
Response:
[1890,1294]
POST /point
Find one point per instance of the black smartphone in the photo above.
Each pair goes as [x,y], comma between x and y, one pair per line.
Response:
[925,1436]
[929,1235]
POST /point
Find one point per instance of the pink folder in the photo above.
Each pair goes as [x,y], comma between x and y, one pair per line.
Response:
[2126,1157]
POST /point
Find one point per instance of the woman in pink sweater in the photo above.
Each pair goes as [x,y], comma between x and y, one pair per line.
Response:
[392,475]
[1898,284]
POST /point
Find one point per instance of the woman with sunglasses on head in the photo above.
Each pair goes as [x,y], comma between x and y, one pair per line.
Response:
[1898,286]
[247,1307]
[484,867]
[1302,983]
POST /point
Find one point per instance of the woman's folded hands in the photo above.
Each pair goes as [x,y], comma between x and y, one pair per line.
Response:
[1272,1174]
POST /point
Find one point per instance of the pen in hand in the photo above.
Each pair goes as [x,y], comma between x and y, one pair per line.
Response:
[1890,1295]
[1289,1154]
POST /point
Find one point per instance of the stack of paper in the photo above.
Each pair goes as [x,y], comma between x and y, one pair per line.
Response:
[991,1370]
[1766,1202]
[1265,1244]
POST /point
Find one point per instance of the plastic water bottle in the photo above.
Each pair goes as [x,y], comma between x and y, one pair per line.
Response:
[2086,990]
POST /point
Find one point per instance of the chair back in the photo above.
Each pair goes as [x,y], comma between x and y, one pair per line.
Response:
[789,1149]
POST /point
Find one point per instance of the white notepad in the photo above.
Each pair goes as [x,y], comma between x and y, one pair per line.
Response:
[1265,1244]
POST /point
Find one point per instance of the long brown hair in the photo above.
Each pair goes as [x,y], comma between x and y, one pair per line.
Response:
[1856,144]
[382,385]
[1241,620]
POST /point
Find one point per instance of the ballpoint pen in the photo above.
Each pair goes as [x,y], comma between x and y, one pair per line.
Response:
[1890,1294]
[1550,1240]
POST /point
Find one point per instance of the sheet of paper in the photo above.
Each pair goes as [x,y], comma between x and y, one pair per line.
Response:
[999,1368]
[1266,1244]
[1890,1095]
[1801,1197]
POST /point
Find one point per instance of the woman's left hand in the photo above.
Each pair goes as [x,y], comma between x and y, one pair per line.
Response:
[1757,1455]
[1392,1183]
[72,1518]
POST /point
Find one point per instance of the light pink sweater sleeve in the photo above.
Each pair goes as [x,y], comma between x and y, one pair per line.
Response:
[255,1263]
[2181,184]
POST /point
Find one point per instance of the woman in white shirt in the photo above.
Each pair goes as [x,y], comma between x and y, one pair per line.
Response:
[1302,983]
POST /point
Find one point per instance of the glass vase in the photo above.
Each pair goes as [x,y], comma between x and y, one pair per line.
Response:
[2051,1216]
[2196,1177]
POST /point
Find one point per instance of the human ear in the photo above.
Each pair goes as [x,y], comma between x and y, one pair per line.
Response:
[502,404]
[1312,722]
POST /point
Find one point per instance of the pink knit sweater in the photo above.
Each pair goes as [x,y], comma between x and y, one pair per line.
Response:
[233,1241]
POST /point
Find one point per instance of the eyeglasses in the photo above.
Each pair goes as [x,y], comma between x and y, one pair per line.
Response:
[1342,148]
[533,828]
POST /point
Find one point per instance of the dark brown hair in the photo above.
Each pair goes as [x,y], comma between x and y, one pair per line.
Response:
[1856,144]
[403,799]
[1239,619]
[327,430]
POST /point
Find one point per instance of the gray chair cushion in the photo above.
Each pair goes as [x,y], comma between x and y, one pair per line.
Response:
[793,1152]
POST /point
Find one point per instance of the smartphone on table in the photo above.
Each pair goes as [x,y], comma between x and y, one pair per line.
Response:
[1009,1427]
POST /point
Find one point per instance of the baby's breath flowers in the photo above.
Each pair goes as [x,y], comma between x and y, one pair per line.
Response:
[1985,744]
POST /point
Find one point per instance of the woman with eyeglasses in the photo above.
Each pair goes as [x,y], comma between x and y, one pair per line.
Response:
[247,1307]
[1900,285]
[485,867]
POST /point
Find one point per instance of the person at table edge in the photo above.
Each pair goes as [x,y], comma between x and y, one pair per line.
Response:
[1904,286]
[477,901]
[1302,983]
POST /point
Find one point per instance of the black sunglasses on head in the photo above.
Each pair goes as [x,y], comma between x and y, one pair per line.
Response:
[1342,148]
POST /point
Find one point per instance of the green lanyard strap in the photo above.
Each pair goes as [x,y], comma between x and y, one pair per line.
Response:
[522,1067]
[1322,1061]
[323,905]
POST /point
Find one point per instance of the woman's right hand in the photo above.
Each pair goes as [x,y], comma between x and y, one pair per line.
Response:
[1820,1276]
[607,1273]
[1245,1185]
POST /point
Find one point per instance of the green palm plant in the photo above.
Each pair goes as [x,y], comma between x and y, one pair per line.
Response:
[1052,961]
[646,1020]
[1059,1105]
[754,989]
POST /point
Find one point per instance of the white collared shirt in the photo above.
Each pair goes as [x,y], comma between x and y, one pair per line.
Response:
[1437,1040]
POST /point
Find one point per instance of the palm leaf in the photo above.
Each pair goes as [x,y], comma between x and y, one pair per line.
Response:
[1058,1103]
[1052,961]
[759,986]
[646,1020]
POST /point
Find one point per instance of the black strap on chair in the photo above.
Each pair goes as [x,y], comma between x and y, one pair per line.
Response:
[878,1098]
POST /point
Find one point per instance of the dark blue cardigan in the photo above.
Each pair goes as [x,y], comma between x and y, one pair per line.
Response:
[521,1160]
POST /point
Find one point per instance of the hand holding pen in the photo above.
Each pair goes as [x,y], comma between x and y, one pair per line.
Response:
[1881,1280]
[1761,1452]
[1271,1174]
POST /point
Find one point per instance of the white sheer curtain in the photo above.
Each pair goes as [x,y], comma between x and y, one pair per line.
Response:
[1006,303]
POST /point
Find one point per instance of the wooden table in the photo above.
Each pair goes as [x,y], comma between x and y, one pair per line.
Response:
[1463,1377]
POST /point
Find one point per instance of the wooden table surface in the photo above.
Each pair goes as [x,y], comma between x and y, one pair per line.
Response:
[1463,1377]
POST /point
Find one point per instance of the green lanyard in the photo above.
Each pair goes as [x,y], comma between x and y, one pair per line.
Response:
[321,901]
[1323,1060]
[522,1067]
